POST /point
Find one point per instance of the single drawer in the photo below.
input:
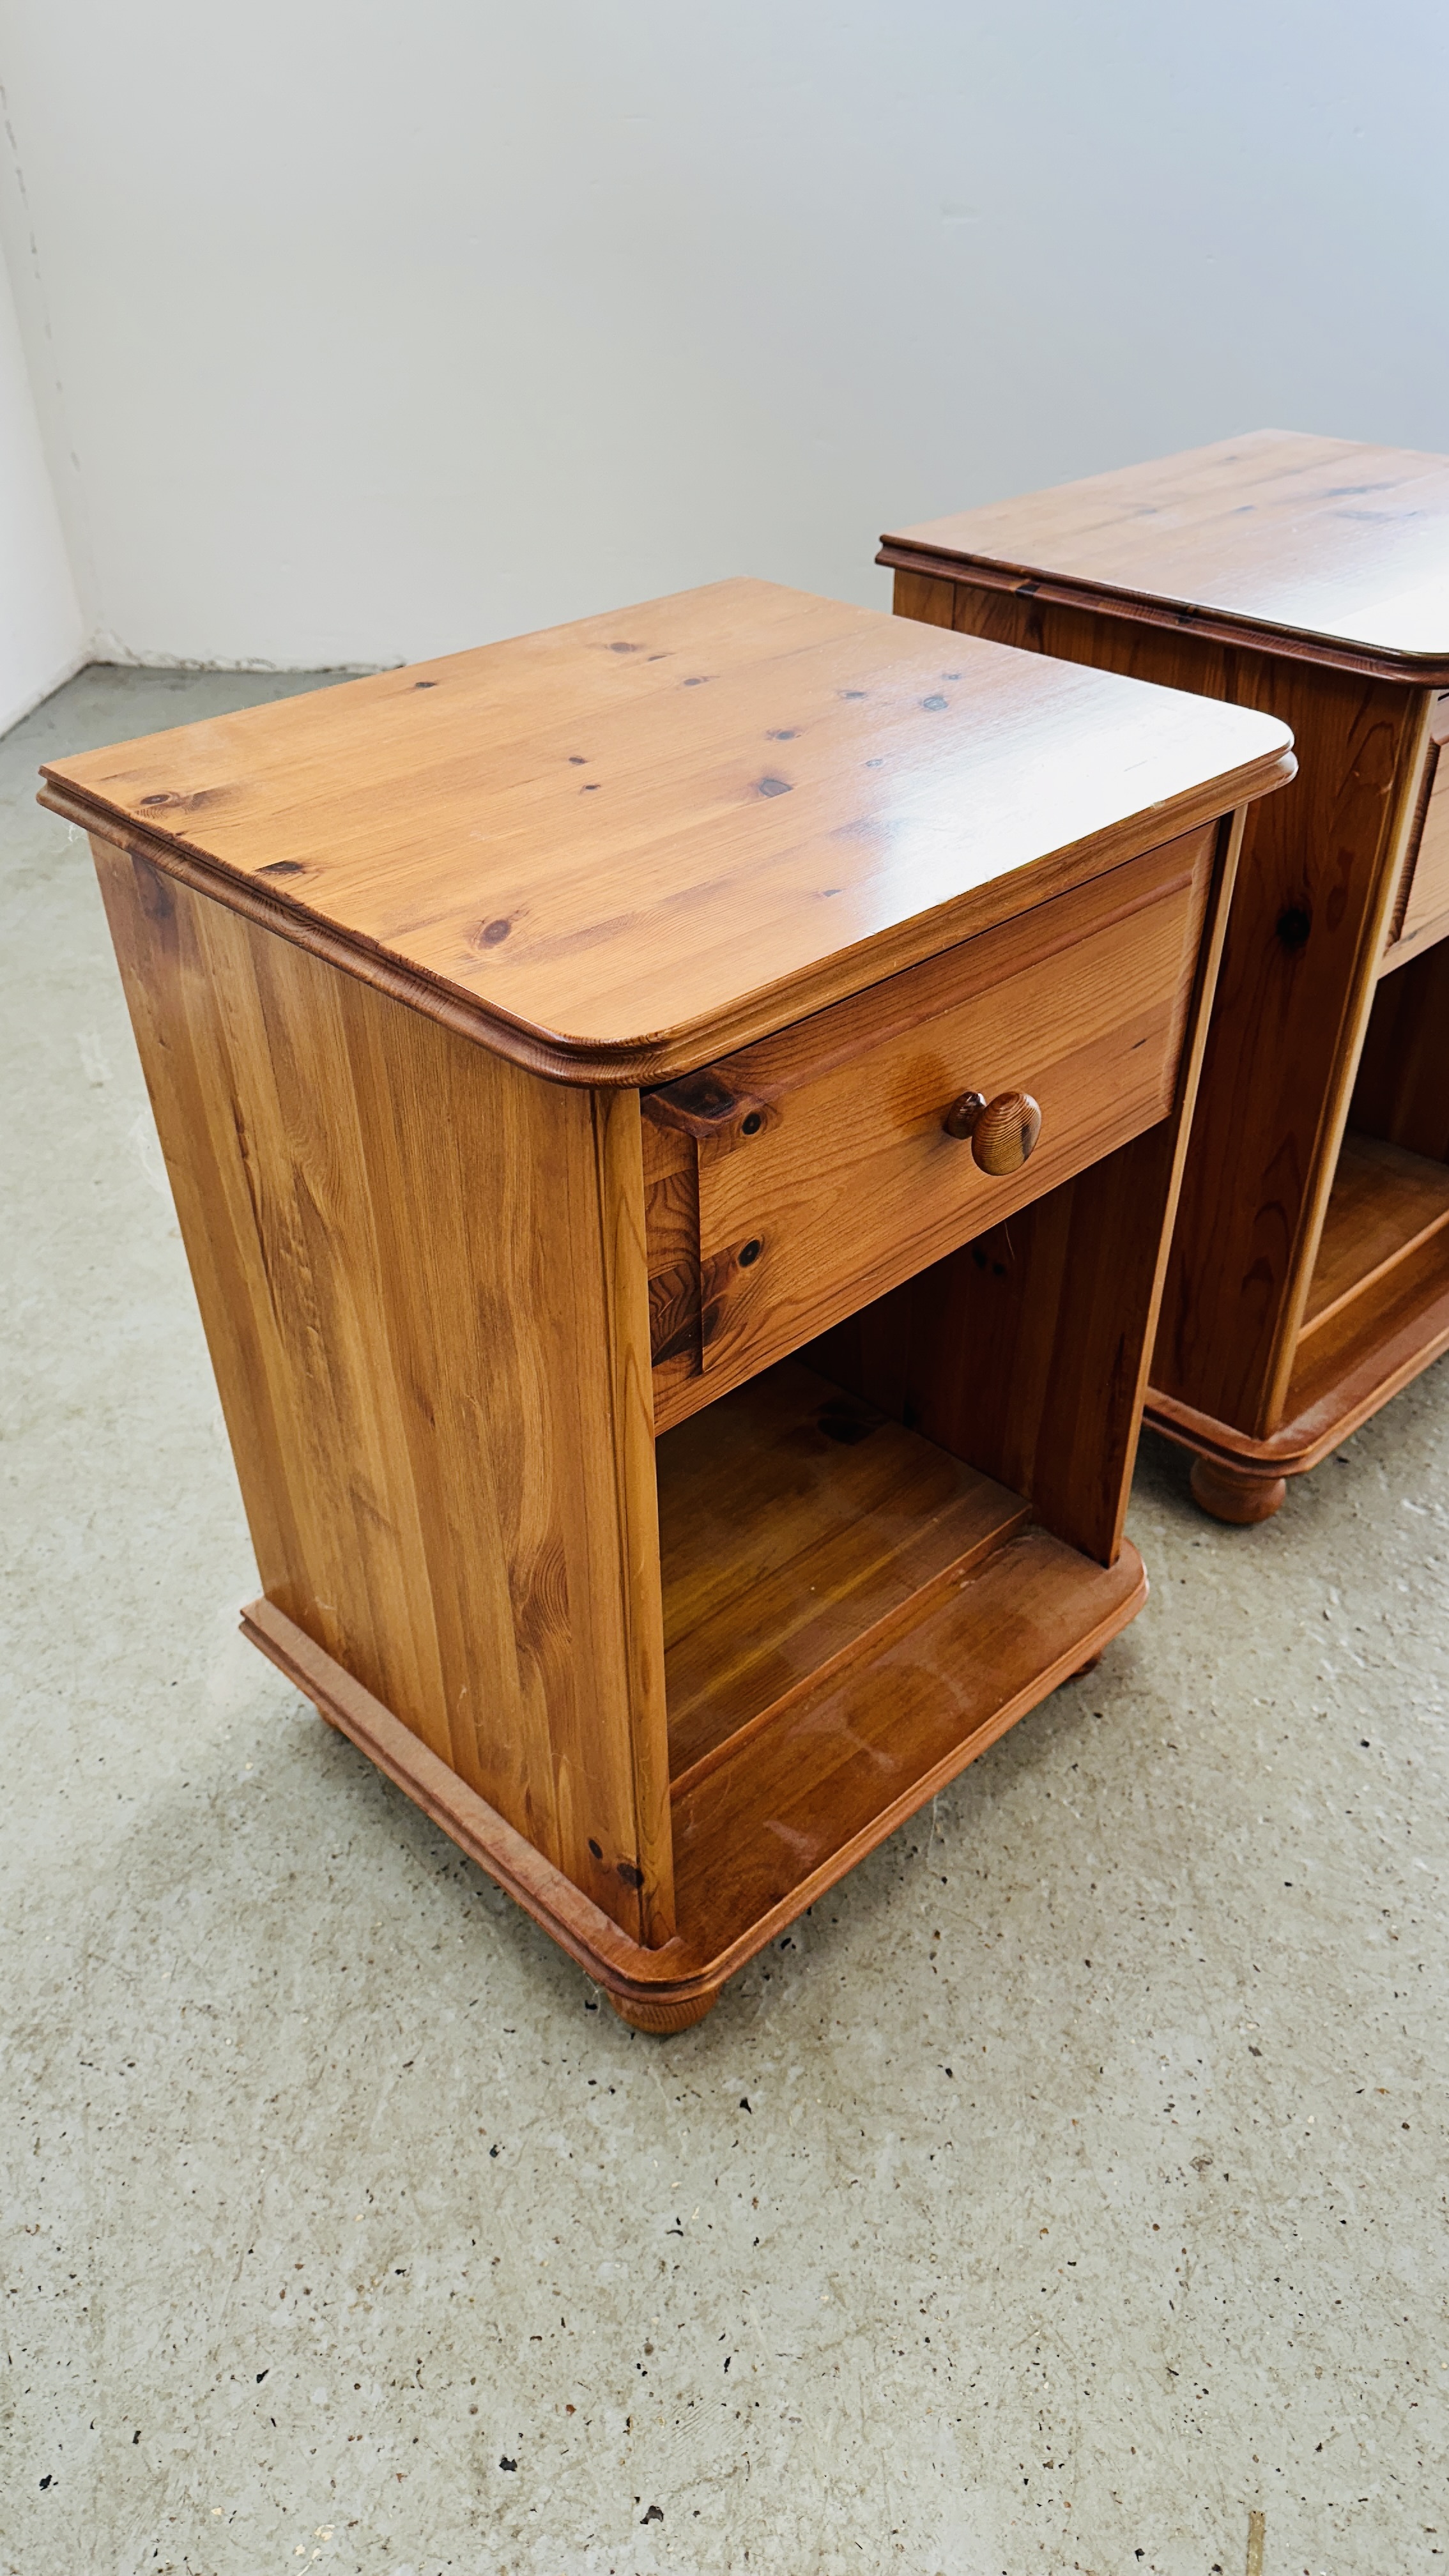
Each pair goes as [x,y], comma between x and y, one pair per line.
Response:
[1421,914]
[791,1183]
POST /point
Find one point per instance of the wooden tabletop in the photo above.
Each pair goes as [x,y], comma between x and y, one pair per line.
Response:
[617,848]
[1316,539]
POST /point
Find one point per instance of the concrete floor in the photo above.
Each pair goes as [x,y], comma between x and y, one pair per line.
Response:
[1069,2186]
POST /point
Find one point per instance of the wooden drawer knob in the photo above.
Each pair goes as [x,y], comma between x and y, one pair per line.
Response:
[1003,1131]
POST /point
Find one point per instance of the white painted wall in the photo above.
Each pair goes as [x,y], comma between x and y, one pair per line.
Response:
[41,630]
[384,326]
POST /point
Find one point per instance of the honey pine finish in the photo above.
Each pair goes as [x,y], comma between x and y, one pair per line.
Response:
[674,1123]
[1309,578]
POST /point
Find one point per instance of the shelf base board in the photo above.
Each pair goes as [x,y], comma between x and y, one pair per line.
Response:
[1384,1204]
[794,1520]
[793,1806]
[789,1807]
[1360,1358]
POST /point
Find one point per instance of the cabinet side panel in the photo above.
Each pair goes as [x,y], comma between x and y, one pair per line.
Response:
[1319,864]
[421,1274]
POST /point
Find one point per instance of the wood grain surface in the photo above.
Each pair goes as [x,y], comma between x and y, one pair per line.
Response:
[1026,1352]
[1317,542]
[422,1277]
[454,1307]
[1310,1276]
[1371,1349]
[793,1518]
[1092,1030]
[1385,1202]
[979,1655]
[1421,911]
[617,848]
[1088,992]
[794,1804]
[1401,1091]
[1320,864]
[1371,1346]
[671,1225]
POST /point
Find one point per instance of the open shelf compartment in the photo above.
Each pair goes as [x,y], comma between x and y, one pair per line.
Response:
[788,1805]
[852,1612]
[794,1520]
[1386,1202]
[880,1553]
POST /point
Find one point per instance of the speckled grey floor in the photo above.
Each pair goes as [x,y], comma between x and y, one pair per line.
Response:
[1068,2186]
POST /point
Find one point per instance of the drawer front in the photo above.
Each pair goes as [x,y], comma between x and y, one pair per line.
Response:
[822,1172]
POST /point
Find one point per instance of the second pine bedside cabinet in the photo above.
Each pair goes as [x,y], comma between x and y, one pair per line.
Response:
[1309,577]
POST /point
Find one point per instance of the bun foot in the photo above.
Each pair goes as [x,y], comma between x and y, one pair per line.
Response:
[1236,1494]
[669,2014]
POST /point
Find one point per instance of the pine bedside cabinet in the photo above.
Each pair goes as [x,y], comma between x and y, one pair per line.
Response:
[1309,1277]
[674,1123]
